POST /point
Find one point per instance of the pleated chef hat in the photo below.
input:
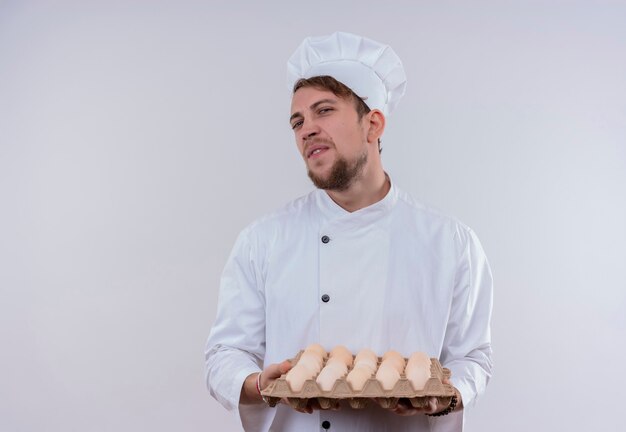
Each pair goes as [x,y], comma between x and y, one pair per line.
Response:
[372,70]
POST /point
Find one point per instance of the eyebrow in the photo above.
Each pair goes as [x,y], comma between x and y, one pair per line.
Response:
[312,107]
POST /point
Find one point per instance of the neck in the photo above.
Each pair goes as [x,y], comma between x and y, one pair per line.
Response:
[363,192]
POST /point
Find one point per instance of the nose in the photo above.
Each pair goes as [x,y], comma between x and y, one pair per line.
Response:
[308,130]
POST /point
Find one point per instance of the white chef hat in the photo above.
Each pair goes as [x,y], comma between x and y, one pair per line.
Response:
[370,69]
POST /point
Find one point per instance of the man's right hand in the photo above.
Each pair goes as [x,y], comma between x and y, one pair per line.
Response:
[249,392]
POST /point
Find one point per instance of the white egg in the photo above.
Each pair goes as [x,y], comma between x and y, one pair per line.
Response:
[365,362]
[418,370]
[330,374]
[358,377]
[366,354]
[310,362]
[394,359]
[342,353]
[336,364]
[388,376]
[366,357]
[317,349]
[296,377]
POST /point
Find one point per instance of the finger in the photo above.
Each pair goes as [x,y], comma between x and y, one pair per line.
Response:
[404,408]
[284,367]
[273,372]
[398,410]
[303,409]
[314,404]
[307,410]
[403,411]
[433,405]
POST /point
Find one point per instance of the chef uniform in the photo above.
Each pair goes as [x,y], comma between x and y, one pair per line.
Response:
[395,275]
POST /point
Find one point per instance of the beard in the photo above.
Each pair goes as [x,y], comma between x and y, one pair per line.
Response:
[341,175]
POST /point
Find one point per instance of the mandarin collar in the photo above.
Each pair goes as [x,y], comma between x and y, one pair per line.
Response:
[333,211]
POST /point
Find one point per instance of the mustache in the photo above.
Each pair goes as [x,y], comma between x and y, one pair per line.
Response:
[308,142]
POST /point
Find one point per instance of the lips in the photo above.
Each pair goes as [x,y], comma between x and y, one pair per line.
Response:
[315,149]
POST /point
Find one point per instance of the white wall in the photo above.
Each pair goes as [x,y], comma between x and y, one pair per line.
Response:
[138,137]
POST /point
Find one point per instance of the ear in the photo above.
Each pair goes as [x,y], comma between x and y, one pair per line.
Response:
[376,124]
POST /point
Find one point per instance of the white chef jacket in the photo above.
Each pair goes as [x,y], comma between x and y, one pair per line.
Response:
[398,276]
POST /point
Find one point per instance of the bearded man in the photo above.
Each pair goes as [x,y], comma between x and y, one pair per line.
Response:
[357,262]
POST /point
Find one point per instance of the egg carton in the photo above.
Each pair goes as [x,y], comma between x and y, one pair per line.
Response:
[341,391]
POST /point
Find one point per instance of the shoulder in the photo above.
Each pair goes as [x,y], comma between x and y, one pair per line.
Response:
[432,224]
[293,212]
[426,214]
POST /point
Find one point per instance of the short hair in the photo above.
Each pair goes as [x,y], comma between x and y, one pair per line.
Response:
[326,82]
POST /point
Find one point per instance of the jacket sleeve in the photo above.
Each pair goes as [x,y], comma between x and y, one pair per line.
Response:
[466,349]
[236,344]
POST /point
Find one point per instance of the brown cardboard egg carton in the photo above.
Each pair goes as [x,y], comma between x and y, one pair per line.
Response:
[342,391]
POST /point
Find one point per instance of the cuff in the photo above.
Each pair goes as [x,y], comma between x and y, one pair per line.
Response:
[237,384]
[467,393]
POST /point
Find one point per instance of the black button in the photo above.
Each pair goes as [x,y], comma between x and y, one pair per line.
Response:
[325,239]
[326,424]
[325,298]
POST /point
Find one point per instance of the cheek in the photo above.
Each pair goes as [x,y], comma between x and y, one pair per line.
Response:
[299,144]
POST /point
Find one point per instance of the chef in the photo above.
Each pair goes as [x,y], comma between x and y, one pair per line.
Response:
[357,262]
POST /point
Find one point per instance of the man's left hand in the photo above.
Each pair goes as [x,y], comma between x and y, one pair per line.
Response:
[404,407]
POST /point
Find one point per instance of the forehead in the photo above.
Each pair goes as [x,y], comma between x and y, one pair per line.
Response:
[305,97]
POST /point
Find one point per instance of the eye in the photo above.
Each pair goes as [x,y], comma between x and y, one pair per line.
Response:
[296,125]
[324,110]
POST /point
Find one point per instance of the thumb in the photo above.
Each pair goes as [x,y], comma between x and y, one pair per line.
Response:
[275,370]
[284,367]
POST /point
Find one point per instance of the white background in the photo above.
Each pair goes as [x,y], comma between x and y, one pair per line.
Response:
[137,138]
